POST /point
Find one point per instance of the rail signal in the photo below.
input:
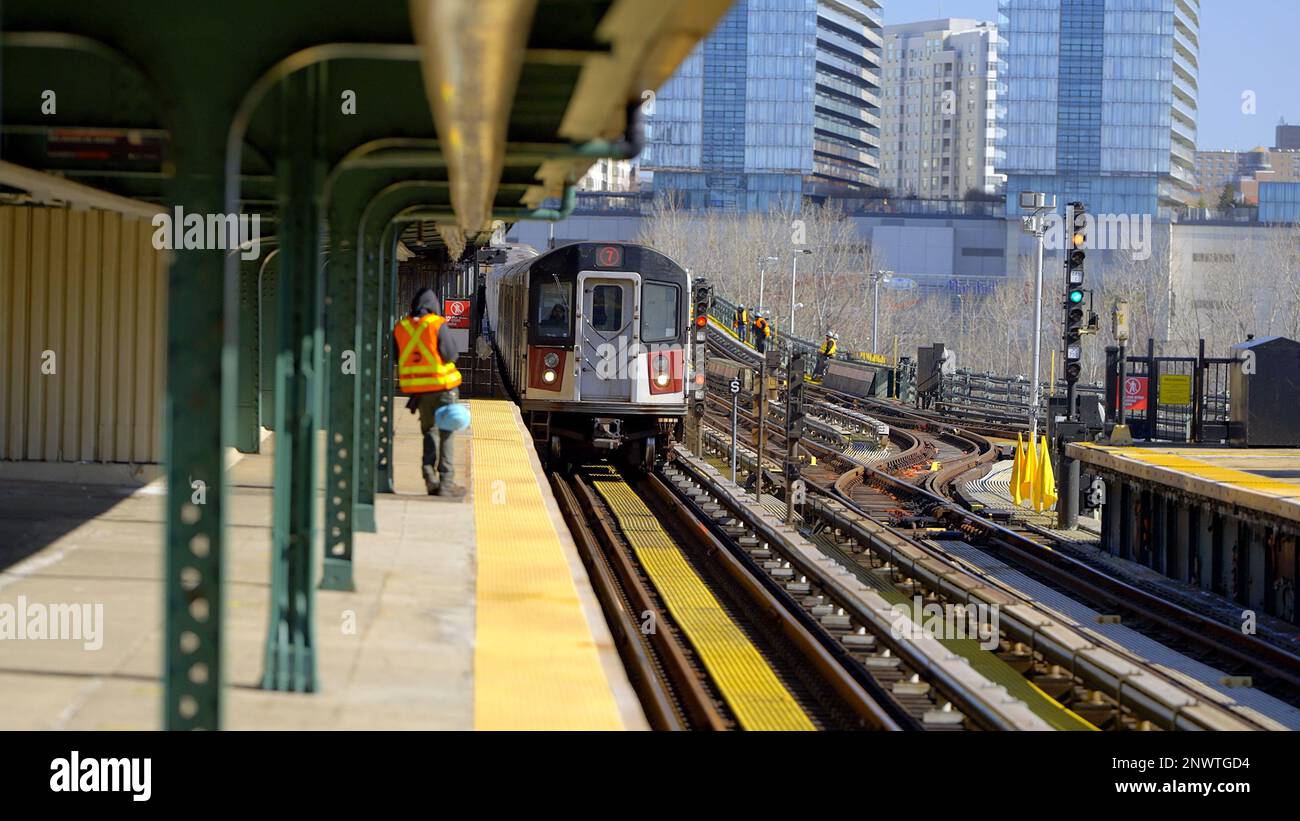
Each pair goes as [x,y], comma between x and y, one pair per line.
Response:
[1075,255]
[702,299]
[795,415]
[702,295]
[1076,320]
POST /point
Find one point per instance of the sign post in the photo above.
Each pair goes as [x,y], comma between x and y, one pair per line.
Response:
[735,393]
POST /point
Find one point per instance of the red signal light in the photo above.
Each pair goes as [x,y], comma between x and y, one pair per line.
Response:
[701,321]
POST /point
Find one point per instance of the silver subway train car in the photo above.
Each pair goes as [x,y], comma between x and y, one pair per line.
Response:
[593,340]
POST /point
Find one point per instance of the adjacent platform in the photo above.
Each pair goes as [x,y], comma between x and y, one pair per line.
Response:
[470,613]
[1227,520]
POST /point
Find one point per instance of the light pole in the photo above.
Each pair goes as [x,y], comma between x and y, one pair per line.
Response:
[762,274]
[1036,224]
[877,278]
[961,323]
[794,275]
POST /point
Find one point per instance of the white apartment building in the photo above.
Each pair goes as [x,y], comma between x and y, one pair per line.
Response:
[939,121]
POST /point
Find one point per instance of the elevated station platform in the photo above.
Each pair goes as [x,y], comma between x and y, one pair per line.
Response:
[467,613]
[1226,520]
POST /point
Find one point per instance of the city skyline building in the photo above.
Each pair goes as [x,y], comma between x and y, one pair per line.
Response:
[605,174]
[780,102]
[1245,171]
[1101,101]
[939,117]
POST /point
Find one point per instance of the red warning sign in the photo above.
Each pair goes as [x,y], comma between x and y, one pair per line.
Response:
[456,312]
[1135,393]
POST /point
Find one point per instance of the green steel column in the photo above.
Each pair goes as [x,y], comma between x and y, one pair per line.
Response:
[290,658]
[196,405]
[342,362]
[248,393]
[370,281]
[269,345]
[387,318]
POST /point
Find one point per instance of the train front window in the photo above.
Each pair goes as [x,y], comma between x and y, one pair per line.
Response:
[607,308]
[554,310]
[659,312]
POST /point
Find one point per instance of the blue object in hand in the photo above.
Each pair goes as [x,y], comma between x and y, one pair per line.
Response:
[452,417]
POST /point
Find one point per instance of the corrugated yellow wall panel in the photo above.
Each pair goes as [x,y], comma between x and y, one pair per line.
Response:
[89,287]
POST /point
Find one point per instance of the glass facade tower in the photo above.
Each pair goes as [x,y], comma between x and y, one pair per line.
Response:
[1101,101]
[780,102]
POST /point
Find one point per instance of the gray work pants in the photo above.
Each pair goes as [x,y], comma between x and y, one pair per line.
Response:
[436,466]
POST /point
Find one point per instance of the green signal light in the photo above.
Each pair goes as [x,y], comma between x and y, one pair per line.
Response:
[1076,297]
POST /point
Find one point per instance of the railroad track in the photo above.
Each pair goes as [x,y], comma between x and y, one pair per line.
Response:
[918,502]
[706,644]
[1193,630]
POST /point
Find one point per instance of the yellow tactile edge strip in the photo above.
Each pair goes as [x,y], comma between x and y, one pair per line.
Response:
[536,666]
[749,685]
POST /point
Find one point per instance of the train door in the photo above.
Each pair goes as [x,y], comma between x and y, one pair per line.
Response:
[607,340]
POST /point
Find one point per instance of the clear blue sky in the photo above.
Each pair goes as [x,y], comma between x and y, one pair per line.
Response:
[1245,45]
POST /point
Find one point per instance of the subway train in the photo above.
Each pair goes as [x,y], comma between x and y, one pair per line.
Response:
[593,343]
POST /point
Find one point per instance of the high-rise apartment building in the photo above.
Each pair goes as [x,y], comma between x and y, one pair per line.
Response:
[780,102]
[1101,101]
[938,110]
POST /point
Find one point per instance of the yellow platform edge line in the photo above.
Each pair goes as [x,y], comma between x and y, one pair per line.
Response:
[536,664]
[747,682]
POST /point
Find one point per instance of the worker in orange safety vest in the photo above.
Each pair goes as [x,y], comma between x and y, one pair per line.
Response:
[426,372]
[762,332]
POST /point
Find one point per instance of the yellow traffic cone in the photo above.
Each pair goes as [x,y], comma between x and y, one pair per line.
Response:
[1027,476]
[1017,471]
[1046,480]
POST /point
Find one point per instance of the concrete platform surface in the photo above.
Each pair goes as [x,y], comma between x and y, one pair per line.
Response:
[398,653]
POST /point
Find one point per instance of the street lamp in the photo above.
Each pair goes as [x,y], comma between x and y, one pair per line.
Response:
[877,278]
[1039,205]
[762,274]
[794,275]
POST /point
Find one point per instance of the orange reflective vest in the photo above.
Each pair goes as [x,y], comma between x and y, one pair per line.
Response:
[763,328]
[419,368]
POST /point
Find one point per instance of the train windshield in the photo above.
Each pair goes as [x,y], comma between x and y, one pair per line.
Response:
[554,310]
[659,312]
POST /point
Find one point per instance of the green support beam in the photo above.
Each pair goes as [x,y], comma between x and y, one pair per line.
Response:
[341,362]
[193,443]
[269,341]
[248,397]
[290,657]
[387,318]
[369,282]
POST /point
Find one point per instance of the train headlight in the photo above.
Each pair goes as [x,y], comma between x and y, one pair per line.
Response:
[661,379]
[551,360]
[549,376]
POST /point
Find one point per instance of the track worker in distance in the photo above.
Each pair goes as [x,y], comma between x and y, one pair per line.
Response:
[742,323]
[762,332]
[827,352]
[426,372]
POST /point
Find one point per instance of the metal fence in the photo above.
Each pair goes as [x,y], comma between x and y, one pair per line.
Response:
[1173,398]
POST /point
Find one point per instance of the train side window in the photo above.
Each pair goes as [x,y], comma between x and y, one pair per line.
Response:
[660,312]
[554,311]
[607,307]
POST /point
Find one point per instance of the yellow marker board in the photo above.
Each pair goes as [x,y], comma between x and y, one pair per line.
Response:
[1175,389]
